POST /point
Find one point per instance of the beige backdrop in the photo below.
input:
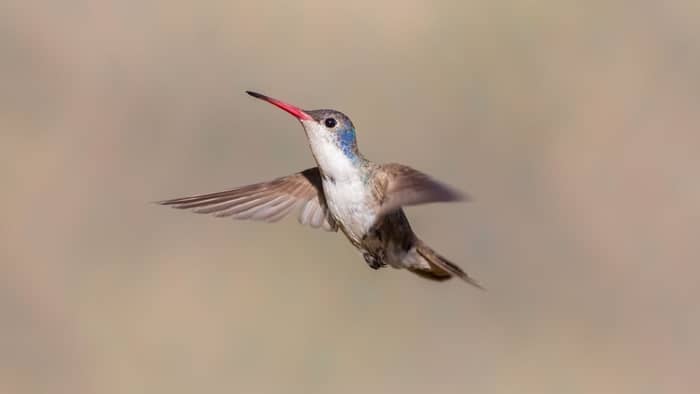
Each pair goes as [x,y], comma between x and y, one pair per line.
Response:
[575,126]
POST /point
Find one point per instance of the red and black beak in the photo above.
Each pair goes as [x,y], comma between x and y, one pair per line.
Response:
[296,112]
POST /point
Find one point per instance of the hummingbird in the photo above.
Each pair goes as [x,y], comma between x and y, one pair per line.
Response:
[345,192]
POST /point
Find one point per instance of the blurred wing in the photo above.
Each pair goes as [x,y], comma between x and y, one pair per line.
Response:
[266,201]
[398,185]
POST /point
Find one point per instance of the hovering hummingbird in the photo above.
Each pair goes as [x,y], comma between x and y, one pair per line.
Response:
[344,192]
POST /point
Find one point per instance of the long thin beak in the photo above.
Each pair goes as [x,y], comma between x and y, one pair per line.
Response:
[296,112]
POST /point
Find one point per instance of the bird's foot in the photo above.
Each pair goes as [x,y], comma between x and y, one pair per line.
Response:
[373,261]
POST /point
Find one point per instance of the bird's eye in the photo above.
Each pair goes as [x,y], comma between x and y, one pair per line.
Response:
[330,123]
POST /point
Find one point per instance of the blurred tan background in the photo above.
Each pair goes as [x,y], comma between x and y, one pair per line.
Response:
[575,126]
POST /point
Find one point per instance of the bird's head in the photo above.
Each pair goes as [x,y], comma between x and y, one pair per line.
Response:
[322,126]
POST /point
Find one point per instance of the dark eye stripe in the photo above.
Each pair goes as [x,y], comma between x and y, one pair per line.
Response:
[330,123]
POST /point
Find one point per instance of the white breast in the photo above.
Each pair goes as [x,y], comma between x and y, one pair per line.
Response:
[349,204]
[346,194]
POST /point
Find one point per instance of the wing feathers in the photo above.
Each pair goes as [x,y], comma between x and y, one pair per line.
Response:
[266,201]
[398,185]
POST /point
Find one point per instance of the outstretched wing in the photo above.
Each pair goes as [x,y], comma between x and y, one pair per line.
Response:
[267,201]
[398,185]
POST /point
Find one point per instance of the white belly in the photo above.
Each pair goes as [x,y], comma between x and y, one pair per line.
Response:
[349,204]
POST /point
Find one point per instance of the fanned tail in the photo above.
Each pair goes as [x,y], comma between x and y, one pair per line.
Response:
[440,268]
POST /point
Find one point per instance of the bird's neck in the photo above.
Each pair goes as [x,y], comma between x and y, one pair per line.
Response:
[337,160]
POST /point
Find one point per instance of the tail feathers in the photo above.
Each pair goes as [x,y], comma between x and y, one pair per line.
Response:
[440,268]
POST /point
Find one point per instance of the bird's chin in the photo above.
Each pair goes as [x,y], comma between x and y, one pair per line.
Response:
[312,128]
